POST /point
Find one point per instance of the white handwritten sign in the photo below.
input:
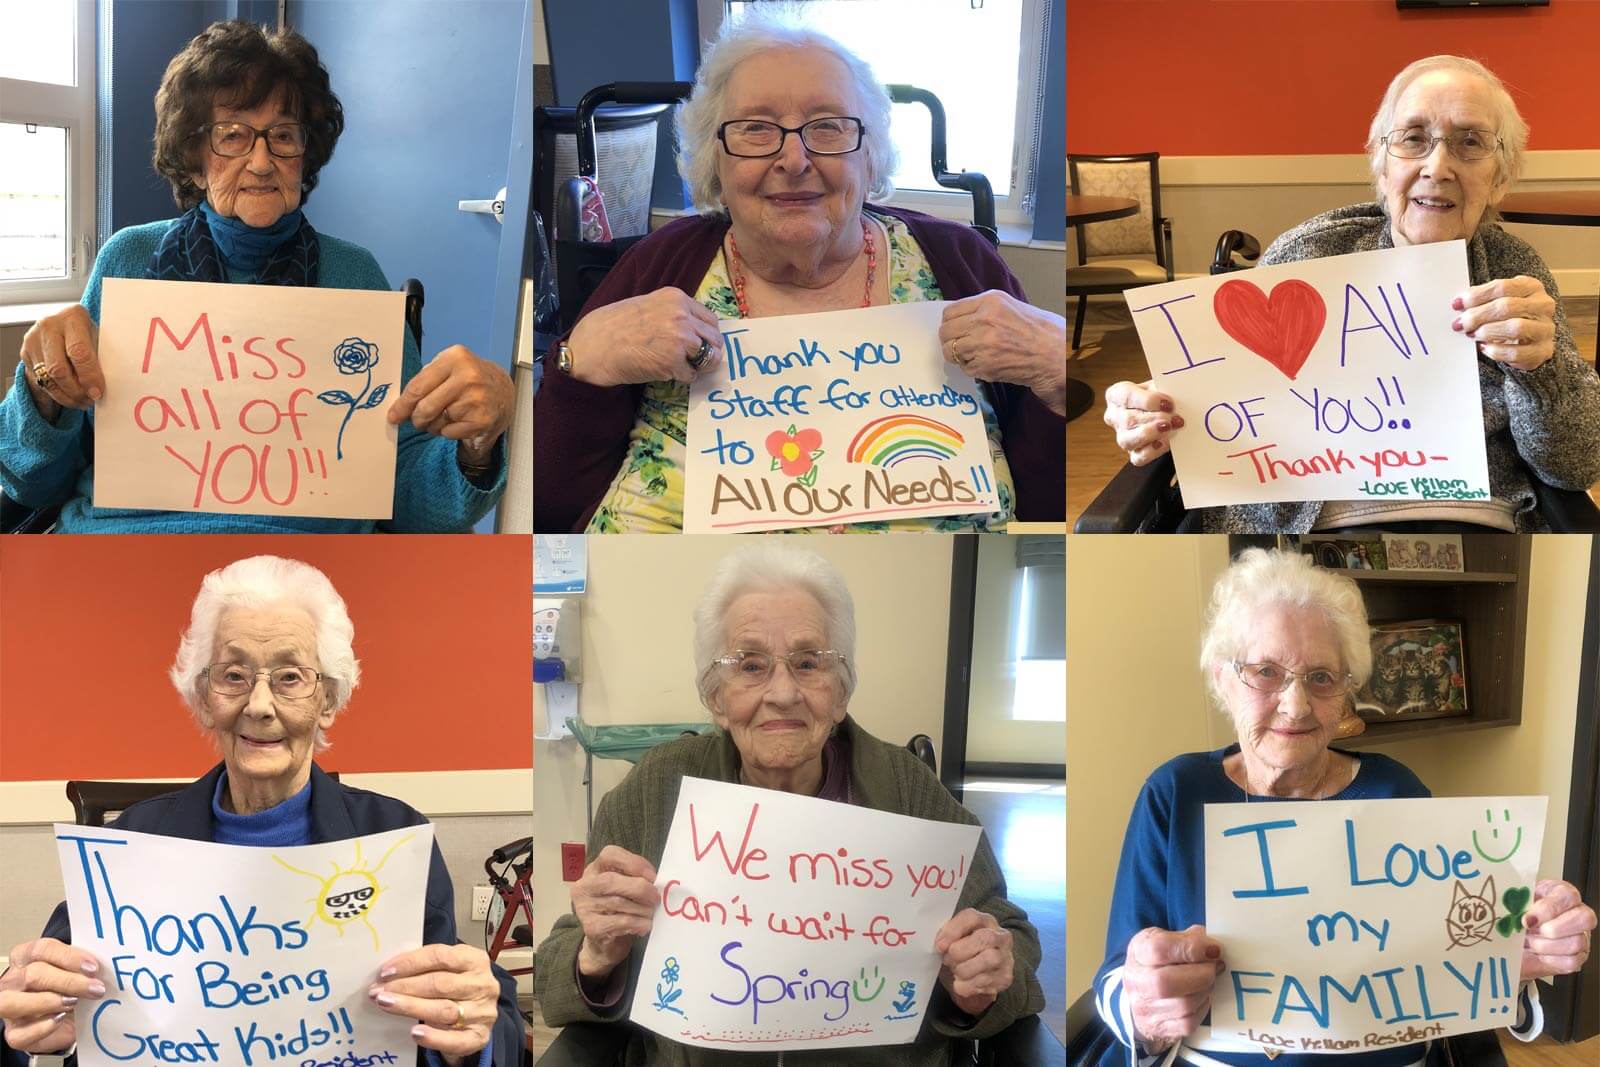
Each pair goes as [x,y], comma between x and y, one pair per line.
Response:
[248,399]
[1349,926]
[788,922]
[844,416]
[1328,379]
[225,954]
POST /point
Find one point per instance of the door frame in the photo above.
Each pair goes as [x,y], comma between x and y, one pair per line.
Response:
[958,661]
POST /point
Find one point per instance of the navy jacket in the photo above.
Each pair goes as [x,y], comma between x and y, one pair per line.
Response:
[338,813]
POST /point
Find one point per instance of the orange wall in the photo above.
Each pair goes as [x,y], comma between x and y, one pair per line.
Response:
[89,626]
[1289,77]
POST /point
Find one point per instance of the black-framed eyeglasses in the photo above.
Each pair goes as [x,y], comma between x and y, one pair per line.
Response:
[1414,142]
[1272,678]
[291,682]
[286,140]
[832,135]
[809,666]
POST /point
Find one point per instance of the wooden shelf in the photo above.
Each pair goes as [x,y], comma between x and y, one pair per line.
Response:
[1431,577]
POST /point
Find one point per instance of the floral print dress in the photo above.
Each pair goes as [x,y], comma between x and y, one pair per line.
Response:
[647,494]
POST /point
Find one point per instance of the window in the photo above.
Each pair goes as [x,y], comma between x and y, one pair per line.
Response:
[1040,657]
[47,149]
[985,61]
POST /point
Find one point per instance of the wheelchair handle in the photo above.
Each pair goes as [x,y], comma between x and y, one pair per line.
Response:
[505,853]
[971,181]
[619,93]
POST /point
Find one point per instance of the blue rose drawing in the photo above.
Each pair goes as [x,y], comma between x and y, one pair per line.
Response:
[354,356]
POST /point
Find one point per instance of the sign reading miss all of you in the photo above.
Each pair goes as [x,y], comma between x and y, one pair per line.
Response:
[247,957]
[248,399]
[1328,379]
[1355,925]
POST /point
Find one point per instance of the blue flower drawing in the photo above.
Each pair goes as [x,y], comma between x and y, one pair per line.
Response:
[666,996]
[354,356]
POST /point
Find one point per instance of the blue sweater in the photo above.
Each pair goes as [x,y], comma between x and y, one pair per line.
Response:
[41,464]
[1161,882]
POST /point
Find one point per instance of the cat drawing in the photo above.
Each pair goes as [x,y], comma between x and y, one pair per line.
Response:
[1471,917]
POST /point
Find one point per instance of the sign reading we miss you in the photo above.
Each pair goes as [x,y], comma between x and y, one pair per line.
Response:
[228,954]
[836,417]
[788,922]
[248,399]
[1328,379]
[1350,926]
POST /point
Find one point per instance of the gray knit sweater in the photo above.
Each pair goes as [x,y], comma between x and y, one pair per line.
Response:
[1546,419]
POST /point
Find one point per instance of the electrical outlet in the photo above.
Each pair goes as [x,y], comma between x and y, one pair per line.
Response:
[571,861]
[481,896]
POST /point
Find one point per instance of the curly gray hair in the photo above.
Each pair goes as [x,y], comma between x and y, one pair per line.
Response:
[758,32]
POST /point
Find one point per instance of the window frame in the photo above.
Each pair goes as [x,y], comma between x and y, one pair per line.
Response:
[1015,209]
[72,107]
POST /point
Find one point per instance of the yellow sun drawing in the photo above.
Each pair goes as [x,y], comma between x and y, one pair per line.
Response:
[348,893]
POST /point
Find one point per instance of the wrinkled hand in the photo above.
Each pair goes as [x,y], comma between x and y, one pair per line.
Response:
[1559,926]
[45,980]
[645,338]
[1512,319]
[461,396]
[66,343]
[1167,982]
[428,984]
[975,962]
[1142,418]
[615,901]
[997,338]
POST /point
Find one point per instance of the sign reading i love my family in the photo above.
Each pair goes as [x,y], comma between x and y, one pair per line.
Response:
[1328,379]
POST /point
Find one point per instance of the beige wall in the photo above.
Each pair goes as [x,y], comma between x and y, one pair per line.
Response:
[1142,599]
[993,736]
[638,659]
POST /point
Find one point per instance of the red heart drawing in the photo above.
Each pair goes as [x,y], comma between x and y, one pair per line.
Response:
[1280,329]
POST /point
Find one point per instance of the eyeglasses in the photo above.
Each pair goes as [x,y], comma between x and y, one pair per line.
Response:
[235,680]
[1271,678]
[1414,142]
[811,667]
[285,140]
[835,135]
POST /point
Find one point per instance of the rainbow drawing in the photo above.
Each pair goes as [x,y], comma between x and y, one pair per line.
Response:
[896,438]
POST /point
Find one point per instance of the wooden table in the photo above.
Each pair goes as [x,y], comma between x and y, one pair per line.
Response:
[1082,210]
[1570,207]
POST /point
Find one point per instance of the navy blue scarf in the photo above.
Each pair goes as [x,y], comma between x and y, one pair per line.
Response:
[286,253]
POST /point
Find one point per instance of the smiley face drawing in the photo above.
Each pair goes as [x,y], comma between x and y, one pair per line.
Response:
[1496,841]
[347,894]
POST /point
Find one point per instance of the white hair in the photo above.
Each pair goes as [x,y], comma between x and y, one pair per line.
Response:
[1258,580]
[1509,124]
[260,582]
[756,32]
[766,568]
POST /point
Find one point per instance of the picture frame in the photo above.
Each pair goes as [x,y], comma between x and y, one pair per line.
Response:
[1424,552]
[1345,553]
[1418,672]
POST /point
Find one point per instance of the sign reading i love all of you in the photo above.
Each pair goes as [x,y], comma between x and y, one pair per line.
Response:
[1329,379]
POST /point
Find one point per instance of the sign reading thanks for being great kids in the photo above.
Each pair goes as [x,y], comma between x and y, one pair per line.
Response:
[1355,925]
[788,922]
[834,417]
[248,399]
[242,956]
[1328,379]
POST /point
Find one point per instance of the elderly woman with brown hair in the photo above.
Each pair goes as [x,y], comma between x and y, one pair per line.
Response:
[775,646]
[1446,144]
[782,142]
[245,121]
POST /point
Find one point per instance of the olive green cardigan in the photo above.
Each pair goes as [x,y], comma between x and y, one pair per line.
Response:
[637,814]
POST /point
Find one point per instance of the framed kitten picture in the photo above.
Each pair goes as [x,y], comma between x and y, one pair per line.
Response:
[1418,672]
[1423,552]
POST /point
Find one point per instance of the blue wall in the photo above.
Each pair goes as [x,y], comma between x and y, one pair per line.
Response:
[1050,204]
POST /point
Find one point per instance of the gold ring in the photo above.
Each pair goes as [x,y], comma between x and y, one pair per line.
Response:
[461,1016]
[41,375]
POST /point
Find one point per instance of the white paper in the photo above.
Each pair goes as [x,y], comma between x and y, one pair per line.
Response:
[836,417]
[248,399]
[1410,907]
[1328,379]
[241,956]
[788,922]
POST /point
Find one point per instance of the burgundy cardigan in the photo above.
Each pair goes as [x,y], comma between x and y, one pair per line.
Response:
[580,431]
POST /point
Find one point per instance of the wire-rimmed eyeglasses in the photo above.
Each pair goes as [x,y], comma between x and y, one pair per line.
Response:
[286,140]
[808,666]
[293,682]
[1272,678]
[1414,142]
[832,135]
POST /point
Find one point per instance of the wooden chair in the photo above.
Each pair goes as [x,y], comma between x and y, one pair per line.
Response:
[1125,253]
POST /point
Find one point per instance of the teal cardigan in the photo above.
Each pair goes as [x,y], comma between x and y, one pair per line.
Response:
[41,463]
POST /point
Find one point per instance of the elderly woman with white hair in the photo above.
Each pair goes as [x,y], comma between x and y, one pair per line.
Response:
[265,666]
[784,138]
[774,646]
[1446,145]
[1286,645]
